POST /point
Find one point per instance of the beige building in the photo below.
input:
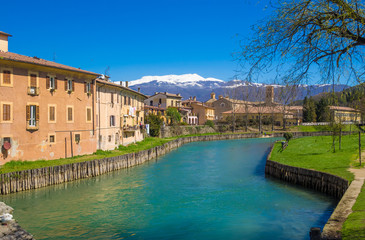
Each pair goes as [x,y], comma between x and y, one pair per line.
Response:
[46,109]
[119,114]
[345,114]
[202,112]
[164,100]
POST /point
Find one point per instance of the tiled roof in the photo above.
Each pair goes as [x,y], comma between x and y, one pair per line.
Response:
[38,61]
[167,94]
[4,33]
[265,110]
[343,108]
[119,86]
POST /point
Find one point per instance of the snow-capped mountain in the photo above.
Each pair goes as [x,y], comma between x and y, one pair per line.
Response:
[183,81]
[195,85]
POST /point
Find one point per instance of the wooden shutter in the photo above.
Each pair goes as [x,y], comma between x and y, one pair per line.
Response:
[66,82]
[52,113]
[28,112]
[85,87]
[37,113]
[73,86]
[33,80]
[117,97]
[91,87]
[69,112]
[6,112]
[6,77]
[47,82]
[112,97]
[55,83]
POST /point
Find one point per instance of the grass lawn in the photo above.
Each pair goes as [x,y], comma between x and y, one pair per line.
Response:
[147,143]
[354,226]
[317,153]
[349,127]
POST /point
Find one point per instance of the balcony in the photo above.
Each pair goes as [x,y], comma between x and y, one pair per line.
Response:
[32,125]
[33,91]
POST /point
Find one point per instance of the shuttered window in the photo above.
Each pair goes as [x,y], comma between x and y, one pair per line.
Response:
[125,100]
[88,114]
[52,113]
[129,101]
[6,112]
[6,77]
[33,80]
[112,97]
[69,114]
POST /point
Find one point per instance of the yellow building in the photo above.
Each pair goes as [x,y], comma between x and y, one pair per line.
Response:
[164,100]
[120,115]
[201,111]
[345,114]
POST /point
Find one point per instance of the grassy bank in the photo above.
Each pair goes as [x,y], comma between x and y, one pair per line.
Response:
[354,226]
[348,127]
[147,143]
[317,153]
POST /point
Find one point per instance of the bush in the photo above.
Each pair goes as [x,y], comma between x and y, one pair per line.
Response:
[174,115]
[209,123]
[288,136]
[155,123]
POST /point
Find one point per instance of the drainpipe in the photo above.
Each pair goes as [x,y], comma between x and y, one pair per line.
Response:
[93,105]
[99,115]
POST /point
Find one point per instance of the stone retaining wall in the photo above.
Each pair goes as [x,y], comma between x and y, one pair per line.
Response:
[319,181]
[37,178]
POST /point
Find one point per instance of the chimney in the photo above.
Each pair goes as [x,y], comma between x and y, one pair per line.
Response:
[269,95]
[194,98]
[139,89]
[220,96]
[4,41]
[121,83]
[126,83]
[190,98]
[212,96]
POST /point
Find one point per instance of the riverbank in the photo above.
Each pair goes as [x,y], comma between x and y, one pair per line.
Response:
[316,153]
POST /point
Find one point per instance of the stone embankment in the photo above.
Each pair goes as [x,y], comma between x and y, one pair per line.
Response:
[42,177]
[323,182]
[12,230]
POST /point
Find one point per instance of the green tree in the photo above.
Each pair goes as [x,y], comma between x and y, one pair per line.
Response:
[309,110]
[323,110]
[209,123]
[305,37]
[174,115]
[155,122]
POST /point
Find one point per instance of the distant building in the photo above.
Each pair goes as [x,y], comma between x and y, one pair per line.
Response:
[47,109]
[160,102]
[345,114]
[200,112]
[119,115]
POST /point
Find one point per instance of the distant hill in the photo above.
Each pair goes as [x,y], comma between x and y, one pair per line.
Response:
[194,85]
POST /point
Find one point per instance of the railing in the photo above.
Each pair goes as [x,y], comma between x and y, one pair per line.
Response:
[34,126]
[34,91]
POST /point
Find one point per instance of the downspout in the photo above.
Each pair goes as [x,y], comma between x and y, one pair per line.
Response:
[93,106]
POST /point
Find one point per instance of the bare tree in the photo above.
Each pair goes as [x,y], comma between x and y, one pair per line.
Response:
[304,35]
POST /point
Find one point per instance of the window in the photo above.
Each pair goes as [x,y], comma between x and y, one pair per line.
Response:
[112,97]
[117,97]
[151,103]
[160,101]
[70,113]
[112,120]
[51,82]
[52,138]
[77,138]
[88,88]
[129,101]
[6,112]
[172,102]
[33,84]
[69,85]
[116,138]
[6,77]
[32,116]
[125,100]
[51,113]
[110,138]
[88,114]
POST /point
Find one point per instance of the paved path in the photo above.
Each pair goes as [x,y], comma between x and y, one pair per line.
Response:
[332,230]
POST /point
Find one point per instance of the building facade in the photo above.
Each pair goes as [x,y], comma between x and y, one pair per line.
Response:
[120,115]
[47,109]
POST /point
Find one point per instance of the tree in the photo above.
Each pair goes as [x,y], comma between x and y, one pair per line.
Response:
[309,110]
[174,115]
[155,122]
[304,35]
[323,111]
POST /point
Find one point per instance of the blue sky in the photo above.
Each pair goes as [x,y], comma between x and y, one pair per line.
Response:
[134,38]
